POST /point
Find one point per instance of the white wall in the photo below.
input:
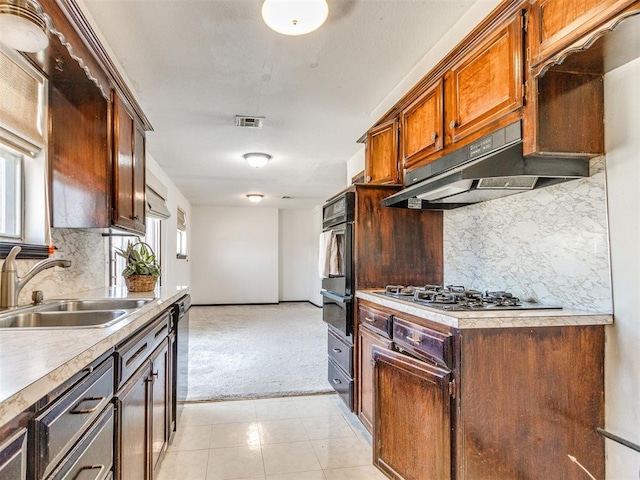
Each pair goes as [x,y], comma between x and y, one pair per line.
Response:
[298,252]
[235,255]
[622,369]
[175,271]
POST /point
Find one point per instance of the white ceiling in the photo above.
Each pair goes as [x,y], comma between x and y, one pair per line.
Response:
[195,64]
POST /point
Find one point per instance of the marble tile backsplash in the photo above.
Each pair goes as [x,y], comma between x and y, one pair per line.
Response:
[88,252]
[549,245]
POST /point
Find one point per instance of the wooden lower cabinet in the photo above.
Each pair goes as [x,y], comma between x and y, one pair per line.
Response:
[412,433]
[515,403]
[366,341]
[160,404]
[142,429]
[132,427]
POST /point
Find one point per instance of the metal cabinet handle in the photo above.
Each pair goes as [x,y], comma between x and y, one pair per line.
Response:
[414,340]
[337,381]
[136,355]
[84,411]
[370,320]
[88,468]
[453,124]
[337,350]
[434,135]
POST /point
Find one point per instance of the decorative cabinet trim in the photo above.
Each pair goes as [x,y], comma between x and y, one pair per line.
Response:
[577,36]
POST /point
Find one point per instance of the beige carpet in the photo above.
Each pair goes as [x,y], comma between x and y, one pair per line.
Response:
[253,351]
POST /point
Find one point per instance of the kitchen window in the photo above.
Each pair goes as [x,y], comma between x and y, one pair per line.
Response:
[153,237]
[23,109]
[11,181]
[182,234]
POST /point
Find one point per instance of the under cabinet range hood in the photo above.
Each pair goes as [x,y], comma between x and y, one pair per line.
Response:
[488,168]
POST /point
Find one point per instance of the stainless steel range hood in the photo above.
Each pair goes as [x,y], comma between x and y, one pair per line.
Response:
[488,168]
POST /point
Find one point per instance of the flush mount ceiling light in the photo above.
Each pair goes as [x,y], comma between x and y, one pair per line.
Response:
[257,160]
[21,28]
[255,197]
[294,17]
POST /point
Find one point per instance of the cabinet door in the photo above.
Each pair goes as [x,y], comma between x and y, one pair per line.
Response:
[132,435]
[159,402]
[79,156]
[13,457]
[366,341]
[486,84]
[381,162]
[555,24]
[128,165]
[412,427]
[421,127]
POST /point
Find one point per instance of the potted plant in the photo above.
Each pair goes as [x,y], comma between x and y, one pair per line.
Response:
[141,267]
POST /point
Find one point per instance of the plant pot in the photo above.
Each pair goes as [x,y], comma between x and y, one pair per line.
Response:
[140,283]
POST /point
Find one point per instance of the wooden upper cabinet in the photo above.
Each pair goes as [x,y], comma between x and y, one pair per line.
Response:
[485,84]
[381,162]
[79,156]
[556,24]
[128,168]
[421,126]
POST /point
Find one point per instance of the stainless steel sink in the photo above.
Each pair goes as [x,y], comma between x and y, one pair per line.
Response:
[78,319]
[89,304]
[72,313]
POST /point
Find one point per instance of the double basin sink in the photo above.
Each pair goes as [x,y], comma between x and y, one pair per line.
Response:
[83,313]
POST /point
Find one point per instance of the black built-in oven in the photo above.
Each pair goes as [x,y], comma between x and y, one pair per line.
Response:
[337,294]
[338,287]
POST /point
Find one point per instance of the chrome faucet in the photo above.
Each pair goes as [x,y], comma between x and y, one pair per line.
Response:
[11,284]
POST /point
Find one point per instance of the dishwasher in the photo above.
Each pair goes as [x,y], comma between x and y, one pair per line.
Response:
[180,327]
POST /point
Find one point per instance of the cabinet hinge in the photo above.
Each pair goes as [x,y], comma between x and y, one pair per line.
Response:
[452,388]
[525,87]
[525,21]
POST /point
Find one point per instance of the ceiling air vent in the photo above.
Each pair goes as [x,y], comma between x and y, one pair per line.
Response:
[249,122]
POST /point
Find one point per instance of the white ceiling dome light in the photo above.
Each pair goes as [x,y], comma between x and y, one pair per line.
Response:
[255,197]
[257,160]
[294,17]
[21,28]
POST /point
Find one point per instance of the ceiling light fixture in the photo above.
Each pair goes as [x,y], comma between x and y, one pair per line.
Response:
[255,197]
[294,17]
[21,28]
[257,160]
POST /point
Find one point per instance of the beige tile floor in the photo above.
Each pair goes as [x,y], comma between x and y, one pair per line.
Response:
[289,438]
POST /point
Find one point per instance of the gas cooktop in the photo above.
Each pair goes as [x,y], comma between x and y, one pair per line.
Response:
[459,298]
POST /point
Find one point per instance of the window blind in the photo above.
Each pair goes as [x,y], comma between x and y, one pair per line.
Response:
[182,220]
[21,110]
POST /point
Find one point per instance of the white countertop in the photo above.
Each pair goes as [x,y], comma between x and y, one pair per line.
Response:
[490,318]
[35,361]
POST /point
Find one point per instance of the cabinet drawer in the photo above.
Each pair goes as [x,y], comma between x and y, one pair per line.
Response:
[92,458]
[423,342]
[340,352]
[341,383]
[132,353]
[58,427]
[377,320]
[13,457]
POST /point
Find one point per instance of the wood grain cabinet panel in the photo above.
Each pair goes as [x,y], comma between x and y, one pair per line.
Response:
[421,126]
[79,156]
[486,84]
[412,432]
[556,24]
[128,168]
[366,341]
[381,162]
